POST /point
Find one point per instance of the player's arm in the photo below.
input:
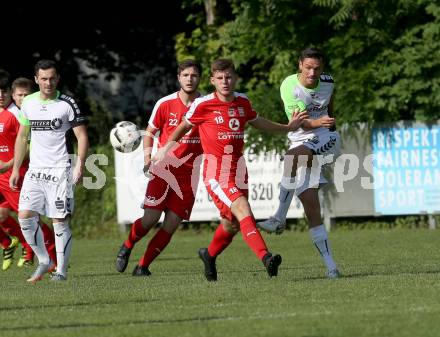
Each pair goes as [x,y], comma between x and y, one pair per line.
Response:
[6,165]
[267,125]
[178,133]
[82,138]
[331,114]
[20,152]
[324,122]
[148,146]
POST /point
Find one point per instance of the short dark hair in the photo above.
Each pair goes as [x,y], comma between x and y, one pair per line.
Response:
[222,65]
[189,63]
[22,82]
[5,80]
[313,53]
[44,65]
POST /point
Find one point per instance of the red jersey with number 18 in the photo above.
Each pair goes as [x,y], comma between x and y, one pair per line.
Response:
[221,127]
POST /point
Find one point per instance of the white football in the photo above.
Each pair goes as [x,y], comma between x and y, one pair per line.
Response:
[125,137]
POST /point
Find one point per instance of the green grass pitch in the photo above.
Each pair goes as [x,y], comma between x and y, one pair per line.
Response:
[391,287]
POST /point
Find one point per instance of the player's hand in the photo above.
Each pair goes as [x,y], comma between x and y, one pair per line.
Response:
[162,152]
[297,119]
[146,168]
[78,172]
[13,180]
[327,122]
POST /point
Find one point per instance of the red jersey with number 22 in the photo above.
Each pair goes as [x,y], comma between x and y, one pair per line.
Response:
[166,116]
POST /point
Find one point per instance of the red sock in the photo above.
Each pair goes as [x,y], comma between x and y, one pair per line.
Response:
[49,241]
[252,236]
[5,240]
[137,232]
[13,228]
[220,241]
[155,247]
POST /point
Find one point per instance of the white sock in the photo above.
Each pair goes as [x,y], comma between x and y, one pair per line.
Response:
[287,191]
[320,239]
[63,245]
[33,235]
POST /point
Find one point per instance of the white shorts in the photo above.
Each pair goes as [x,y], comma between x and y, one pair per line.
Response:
[325,144]
[48,191]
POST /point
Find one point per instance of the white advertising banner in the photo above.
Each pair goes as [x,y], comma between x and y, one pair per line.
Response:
[265,172]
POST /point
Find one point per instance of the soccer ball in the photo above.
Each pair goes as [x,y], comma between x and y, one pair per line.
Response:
[125,137]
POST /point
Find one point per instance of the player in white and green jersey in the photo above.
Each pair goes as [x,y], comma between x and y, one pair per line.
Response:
[53,119]
[312,90]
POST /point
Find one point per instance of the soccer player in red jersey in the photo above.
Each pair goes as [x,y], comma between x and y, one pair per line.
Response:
[9,198]
[171,193]
[221,118]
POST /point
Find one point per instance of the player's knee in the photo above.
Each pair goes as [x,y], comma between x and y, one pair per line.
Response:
[170,227]
[30,223]
[25,214]
[230,226]
[241,208]
[60,225]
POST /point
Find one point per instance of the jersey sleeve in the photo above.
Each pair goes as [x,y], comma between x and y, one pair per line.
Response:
[251,113]
[194,116]
[22,118]
[289,100]
[75,116]
[156,118]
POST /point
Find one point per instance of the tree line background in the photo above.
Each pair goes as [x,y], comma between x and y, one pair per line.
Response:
[117,61]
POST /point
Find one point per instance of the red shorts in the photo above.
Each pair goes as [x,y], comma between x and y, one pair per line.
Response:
[223,196]
[9,198]
[160,195]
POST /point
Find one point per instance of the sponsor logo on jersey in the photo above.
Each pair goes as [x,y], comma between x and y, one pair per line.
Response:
[56,123]
[217,112]
[46,125]
[4,148]
[230,135]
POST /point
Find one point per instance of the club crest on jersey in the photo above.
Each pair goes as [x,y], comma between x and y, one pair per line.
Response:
[231,112]
[240,111]
[56,123]
[234,124]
